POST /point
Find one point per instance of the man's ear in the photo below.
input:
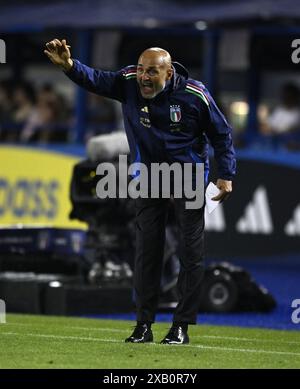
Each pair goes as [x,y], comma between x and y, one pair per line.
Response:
[169,74]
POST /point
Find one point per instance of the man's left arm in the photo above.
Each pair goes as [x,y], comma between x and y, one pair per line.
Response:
[219,134]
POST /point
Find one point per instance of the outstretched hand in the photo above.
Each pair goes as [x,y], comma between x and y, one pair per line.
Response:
[59,53]
[225,187]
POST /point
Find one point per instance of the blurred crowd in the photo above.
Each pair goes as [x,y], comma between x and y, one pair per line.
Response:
[43,115]
[282,126]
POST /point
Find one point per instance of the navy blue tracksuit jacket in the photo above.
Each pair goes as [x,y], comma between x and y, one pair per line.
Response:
[175,126]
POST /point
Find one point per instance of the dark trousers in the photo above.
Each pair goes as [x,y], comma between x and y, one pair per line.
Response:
[151,216]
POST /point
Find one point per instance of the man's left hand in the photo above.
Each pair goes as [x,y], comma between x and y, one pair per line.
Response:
[225,187]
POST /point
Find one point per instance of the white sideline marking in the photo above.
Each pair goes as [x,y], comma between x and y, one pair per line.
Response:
[244,350]
[246,339]
[193,336]
[154,344]
[62,337]
[196,336]
[100,329]
[73,327]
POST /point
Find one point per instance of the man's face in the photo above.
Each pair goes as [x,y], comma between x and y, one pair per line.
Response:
[152,74]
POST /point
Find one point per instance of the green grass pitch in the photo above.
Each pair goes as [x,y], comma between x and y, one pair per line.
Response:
[29,341]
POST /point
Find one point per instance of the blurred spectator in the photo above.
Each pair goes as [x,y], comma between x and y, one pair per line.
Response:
[6,108]
[23,100]
[48,121]
[27,115]
[284,122]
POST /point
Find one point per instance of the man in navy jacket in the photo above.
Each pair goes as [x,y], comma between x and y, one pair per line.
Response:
[168,118]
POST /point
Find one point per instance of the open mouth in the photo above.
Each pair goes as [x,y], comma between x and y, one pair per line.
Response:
[147,88]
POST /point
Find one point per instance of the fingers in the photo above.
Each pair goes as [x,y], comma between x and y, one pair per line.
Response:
[218,197]
[53,45]
[50,46]
[56,48]
[49,55]
[225,187]
[58,42]
[221,196]
[64,45]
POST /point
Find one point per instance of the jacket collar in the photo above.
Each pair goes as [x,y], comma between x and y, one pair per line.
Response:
[179,73]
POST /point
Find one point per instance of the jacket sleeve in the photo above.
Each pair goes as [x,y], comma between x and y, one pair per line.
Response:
[219,133]
[104,83]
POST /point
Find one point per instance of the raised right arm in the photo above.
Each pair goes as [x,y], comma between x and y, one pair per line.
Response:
[104,83]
